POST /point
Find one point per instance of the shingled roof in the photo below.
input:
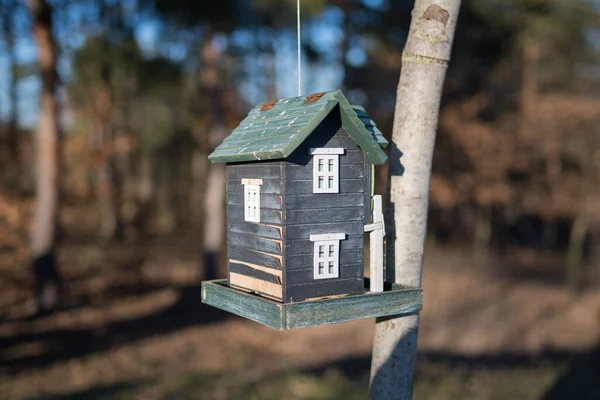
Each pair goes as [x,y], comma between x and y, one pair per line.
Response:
[272,131]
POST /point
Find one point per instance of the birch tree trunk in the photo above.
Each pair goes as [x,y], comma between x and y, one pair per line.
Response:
[425,60]
[43,235]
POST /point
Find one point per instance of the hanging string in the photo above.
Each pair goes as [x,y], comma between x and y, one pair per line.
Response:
[299,51]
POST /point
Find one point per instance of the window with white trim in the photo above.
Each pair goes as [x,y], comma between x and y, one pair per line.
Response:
[326,170]
[251,199]
[326,259]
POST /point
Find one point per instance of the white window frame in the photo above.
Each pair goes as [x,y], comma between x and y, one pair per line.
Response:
[326,257]
[326,169]
[252,199]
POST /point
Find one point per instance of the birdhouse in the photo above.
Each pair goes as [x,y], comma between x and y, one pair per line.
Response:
[299,201]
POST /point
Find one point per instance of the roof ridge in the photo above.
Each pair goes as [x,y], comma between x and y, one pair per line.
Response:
[273,130]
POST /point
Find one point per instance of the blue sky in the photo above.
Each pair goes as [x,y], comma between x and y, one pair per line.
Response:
[325,76]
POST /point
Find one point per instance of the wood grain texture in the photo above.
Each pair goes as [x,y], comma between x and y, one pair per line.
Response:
[269,186]
[311,288]
[256,308]
[256,285]
[254,242]
[350,308]
[255,229]
[397,300]
[271,170]
[267,216]
[253,256]
[305,230]
[347,214]
[271,201]
[254,271]
[321,201]
[274,133]
[297,276]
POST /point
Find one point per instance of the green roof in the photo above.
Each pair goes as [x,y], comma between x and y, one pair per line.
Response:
[272,131]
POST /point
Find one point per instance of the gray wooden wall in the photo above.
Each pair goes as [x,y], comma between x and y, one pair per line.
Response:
[256,250]
[308,213]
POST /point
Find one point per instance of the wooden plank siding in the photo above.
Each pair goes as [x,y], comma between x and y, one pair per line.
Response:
[323,288]
[255,250]
[275,257]
[305,247]
[299,276]
[308,214]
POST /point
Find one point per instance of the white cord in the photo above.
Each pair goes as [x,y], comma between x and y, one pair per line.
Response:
[299,51]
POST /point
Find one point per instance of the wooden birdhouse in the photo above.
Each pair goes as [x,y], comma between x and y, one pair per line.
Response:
[299,201]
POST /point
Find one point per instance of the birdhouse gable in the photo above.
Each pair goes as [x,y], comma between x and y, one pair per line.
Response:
[272,131]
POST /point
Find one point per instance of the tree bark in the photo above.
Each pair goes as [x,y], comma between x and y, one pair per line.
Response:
[579,231]
[12,137]
[483,236]
[425,60]
[43,235]
[214,200]
[347,83]
[107,179]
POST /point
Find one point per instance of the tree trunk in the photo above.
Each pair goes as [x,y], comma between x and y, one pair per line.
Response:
[214,221]
[106,188]
[214,201]
[483,236]
[530,80]
[347,82]
[425,60]
[13,133]
[579,231]
[43,236]
[12,138]
[271,67]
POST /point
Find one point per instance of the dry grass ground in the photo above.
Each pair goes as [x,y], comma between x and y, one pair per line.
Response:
[134,328]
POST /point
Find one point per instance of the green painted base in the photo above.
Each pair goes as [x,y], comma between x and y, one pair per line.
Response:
[394,300]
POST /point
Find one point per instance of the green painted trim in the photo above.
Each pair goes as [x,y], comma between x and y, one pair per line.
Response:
[301,136]
[369,123]
[275,133]
[394,300]
[356,129]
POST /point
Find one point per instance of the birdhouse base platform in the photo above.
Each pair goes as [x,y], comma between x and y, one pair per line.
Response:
[394,300]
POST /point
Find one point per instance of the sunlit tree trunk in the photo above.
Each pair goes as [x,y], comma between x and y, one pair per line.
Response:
[214,202]
[425,61]
[43,236]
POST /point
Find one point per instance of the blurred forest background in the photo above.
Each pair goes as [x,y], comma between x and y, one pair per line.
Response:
[101,298]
